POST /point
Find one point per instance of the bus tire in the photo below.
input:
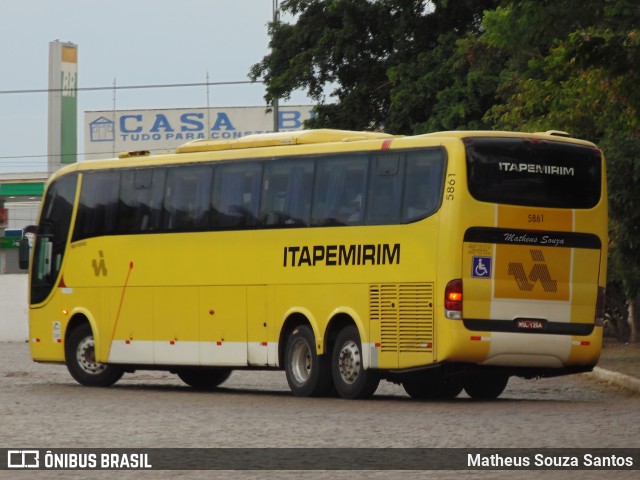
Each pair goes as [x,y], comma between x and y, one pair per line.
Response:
[350,378]
[431,386]
[485,386]
[80,359]
[204,378]
[308,374]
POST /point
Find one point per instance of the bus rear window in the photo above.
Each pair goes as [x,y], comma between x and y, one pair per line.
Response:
[533,173]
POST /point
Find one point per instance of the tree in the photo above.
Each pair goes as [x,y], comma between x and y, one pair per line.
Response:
[413,66]
[368,54]
[613,47]
[582,77]
[624,208]
[450,87]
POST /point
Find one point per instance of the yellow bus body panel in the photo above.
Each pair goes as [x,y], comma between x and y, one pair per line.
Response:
[223,297]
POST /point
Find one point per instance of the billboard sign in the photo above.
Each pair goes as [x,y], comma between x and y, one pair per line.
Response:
[106,133]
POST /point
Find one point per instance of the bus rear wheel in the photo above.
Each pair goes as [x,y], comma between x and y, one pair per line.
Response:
[485,386]
[350,377]
[204,378]
[308,374]
[80,357]
[432,386]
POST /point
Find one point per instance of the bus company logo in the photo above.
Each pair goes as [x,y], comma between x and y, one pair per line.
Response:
[342,255]
[99,265]
[535,168]
[538,273]
[23,459]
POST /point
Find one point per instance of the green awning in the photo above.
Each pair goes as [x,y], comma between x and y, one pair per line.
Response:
[30,189]
[9,242]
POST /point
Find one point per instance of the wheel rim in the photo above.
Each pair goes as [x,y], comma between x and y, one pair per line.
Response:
[300,362]
[349,362]
[86,357]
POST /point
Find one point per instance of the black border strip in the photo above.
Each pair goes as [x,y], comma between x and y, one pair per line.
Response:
[555,328]
[532,238]
[319,459]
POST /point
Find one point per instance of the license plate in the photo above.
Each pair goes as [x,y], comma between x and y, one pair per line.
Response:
[530,324]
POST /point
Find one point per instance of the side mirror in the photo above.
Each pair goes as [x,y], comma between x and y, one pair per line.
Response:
[23,253]
[24,249]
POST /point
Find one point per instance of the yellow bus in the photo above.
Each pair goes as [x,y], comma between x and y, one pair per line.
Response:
[442,262]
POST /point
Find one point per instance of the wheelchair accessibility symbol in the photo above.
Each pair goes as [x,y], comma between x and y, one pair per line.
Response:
[481,267]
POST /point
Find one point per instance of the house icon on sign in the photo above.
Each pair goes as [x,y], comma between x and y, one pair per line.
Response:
[102,130]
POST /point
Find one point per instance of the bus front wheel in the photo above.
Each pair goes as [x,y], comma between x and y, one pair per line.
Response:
[80,357]
[308,374]
[350,377]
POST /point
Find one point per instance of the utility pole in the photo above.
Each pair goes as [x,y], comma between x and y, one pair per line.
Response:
[274,104]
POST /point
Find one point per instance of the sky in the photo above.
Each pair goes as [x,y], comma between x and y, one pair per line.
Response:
[129,42]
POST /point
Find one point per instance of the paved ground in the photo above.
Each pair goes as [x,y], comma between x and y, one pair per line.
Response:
[42,407]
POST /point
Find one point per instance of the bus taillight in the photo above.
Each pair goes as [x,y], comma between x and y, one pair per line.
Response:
[453,299]
[600,306]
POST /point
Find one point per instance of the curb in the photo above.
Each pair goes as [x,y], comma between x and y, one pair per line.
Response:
[623,381]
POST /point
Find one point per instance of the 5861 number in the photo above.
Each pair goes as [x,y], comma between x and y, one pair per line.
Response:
[450,186]
[535,218]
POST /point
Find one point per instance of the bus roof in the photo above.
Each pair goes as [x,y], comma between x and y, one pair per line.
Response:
[556,135]
[320,136]
[298,137]
[349,139]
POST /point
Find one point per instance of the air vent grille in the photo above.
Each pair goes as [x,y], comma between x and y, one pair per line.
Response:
[405,313]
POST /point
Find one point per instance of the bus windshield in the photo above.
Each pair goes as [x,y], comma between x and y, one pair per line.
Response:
[51,239]
[519,171]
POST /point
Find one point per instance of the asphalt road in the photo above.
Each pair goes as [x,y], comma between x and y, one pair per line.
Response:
[41,406]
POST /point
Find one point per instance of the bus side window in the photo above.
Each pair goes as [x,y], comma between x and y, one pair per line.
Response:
[385,190]
[133,189]
[340,191]
[141,195]
[286,194]
[98,206]
[236,196]
[187,203]
[155,201]
[423,185]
